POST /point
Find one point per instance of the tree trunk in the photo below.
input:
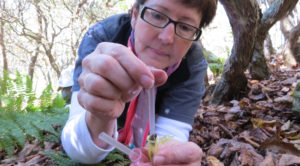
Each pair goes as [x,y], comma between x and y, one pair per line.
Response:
[283,28]
[33,60]
[2,43]
[243,16]
[5,65]
[278,9]
[52,61]
[292,50]
[269,49]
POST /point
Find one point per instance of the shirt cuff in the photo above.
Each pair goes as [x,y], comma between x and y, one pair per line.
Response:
[166,126]
[78,144]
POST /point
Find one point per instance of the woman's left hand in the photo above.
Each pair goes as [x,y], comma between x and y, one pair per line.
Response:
[173,153]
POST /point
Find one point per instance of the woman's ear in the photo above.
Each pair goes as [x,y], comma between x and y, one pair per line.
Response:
[134,16]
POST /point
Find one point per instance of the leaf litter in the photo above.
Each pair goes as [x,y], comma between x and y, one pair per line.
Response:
[259,130]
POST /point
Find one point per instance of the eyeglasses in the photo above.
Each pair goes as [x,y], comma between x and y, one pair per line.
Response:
[160,20]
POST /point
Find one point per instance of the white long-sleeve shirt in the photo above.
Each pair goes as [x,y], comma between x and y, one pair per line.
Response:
[78,144]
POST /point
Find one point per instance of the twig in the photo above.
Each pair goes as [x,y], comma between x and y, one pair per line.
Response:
[253,143]
[227,132]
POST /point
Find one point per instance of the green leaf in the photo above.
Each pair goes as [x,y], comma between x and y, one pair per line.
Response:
[58,102]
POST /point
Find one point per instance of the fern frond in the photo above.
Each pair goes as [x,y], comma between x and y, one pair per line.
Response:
[61,159]
[10,135]
[30,130]
[46,97]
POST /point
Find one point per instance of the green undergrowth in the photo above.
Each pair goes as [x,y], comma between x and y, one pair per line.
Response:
[25,117]
[115,158]
[214,63]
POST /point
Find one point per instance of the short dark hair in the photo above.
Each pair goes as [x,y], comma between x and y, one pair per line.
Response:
[205,7]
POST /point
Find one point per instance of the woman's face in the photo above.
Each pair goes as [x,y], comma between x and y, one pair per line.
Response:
[161,47]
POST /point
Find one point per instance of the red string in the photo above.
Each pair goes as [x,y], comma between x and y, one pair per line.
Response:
[126,131]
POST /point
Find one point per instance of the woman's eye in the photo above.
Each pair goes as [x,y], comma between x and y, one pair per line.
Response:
[157,16]
[186,28]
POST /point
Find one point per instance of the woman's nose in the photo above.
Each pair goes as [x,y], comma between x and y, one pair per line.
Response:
[167,34]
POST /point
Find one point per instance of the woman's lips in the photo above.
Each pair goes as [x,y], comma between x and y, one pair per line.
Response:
[158,52]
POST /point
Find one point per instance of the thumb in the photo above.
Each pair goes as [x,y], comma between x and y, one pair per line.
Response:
[160,76]
[174,152]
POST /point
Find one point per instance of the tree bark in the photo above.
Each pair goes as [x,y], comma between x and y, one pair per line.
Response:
[4,57]
[52,62]
[292,50]
[278,9]
[2,43]
[243,16]
[33,60]
[269,49]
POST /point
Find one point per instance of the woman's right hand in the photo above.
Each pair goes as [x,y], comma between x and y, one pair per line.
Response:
[111,76]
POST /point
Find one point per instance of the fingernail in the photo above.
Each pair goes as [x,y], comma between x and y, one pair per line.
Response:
[134,90]
[147,82]
[160,80]
[158,160]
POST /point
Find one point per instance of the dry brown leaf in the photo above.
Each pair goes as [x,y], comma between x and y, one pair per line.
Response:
[284,99]
[29,149]
[234,102]
[235,110]
[268,161]
[244,102]
[229,116]
[250,157]
[288,159]
[257,122]
[289,81]
[296,141]
[36,160]
[48,146]
[286,126]
[246,157]
[258,135]
[285,89]
[235,160]
[276,145]
[215,150]
[257,97]
[254,82]
[222,109]
[213,161]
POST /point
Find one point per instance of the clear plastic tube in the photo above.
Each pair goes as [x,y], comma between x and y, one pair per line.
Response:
[135,155]
[151,97]
[109,140]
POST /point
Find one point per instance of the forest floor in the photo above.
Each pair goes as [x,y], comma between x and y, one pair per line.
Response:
[260,129]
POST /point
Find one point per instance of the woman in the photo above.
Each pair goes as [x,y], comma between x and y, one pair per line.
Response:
[123,54]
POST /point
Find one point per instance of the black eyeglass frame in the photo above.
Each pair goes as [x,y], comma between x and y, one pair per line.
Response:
[142,12]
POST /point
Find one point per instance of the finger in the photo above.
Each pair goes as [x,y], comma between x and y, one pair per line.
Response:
[137,69]
[160,76]
[132,93]
[110,69]
[100,106]
[98,86]
[178,153]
